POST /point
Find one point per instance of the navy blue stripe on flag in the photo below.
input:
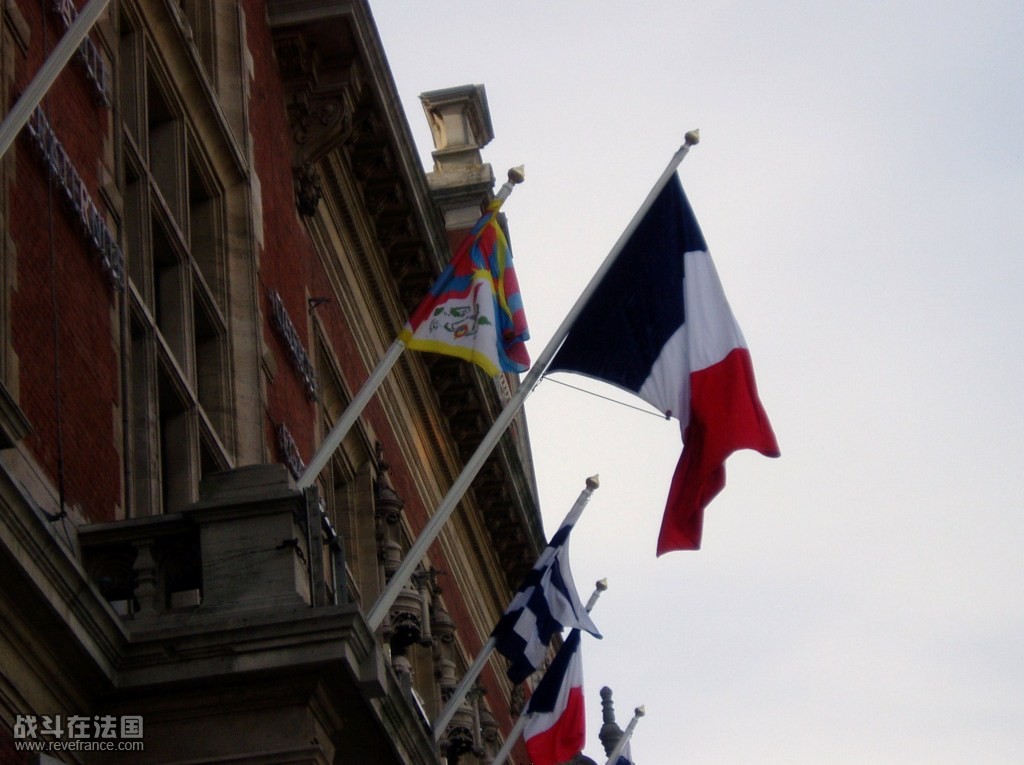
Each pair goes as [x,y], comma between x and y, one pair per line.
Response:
[512,643]
[545,696]
[638,305]
[512,646]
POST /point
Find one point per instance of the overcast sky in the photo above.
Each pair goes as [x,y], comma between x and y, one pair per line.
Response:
[860,184]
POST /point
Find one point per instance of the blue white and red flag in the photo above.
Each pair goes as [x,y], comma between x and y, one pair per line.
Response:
[555,730]
[659,325]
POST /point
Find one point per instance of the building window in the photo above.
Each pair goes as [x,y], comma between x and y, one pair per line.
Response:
[349,510]
[197,20]
[174,241]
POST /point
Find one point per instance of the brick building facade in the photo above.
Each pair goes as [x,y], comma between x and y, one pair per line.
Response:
[214,225]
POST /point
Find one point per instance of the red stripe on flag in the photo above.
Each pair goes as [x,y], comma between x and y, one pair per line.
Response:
[565,738]
[725,415]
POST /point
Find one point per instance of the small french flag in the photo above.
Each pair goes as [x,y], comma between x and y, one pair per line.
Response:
[555,730]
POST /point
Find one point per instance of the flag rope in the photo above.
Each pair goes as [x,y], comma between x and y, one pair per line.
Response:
[428,534]
[609,399]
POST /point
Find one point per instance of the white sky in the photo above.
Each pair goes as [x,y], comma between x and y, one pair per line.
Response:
[860,183]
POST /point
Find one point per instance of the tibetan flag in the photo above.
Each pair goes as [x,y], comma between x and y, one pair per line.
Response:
[658,325]
[555,730]
[474,310]
[545,604]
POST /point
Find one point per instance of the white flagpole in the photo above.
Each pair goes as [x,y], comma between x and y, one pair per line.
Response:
[626,735]
[517,729]
[350,415]
[474,670]
[355,408]
[429,533]
[45,77]
[513,737]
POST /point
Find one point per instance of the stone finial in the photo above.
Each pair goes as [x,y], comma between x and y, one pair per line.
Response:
[460,123]
[459,118]
[610,731]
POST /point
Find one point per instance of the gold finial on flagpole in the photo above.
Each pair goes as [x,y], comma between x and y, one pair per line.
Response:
[516,175]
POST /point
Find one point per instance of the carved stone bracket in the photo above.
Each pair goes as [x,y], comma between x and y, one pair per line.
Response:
[308,190]
[325,83]
[319,123]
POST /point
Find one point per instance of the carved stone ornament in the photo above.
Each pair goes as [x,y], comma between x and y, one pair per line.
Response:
[405,618]
[458,741]
[308,190]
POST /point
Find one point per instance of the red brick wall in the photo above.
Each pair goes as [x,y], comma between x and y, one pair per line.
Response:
[289,264]
[56,265]
[287,259]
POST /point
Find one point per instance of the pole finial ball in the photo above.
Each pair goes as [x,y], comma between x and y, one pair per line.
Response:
[517,174]
[692,137]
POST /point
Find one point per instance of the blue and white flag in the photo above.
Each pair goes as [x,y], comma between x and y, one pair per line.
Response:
[545,604]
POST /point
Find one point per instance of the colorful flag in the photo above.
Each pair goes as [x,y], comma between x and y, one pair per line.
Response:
[474,310]
[545,604]
[659,325]
[555,730]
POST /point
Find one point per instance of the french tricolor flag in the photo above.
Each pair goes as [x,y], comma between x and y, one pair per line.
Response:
[555,730]
[658,325]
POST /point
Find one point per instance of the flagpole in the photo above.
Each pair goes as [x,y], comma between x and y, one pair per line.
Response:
[474,670]
[429,533]
[45,77]
[350,415]
[626,735]
[325,451]
[513,737]
[517,729]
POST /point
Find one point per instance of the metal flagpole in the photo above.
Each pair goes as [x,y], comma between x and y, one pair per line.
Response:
[45,77]
[348,418]
[626,734]
[517,729]
[453,703]
[513,737]
[429,533]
